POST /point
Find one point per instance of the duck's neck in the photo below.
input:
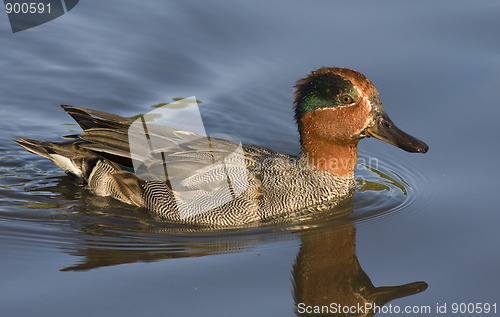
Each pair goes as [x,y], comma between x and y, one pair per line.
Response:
[334,156]
[337,159]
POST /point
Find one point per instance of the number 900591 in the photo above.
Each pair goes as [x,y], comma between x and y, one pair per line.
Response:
[473,308]
[27,7]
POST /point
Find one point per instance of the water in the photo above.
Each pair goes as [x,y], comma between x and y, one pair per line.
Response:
[430,218]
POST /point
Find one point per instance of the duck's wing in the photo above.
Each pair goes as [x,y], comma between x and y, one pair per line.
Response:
[160,152]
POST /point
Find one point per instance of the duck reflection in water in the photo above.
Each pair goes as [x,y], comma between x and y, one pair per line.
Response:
[326,271]
[329,281]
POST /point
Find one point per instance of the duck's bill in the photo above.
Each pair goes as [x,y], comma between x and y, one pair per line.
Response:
[383,295]
[385,130]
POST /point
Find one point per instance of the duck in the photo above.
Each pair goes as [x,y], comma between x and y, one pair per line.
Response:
[334,108]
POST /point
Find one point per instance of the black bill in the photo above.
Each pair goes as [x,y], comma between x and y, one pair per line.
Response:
[385,130]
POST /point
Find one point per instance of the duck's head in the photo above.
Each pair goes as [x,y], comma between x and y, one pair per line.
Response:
[334,109]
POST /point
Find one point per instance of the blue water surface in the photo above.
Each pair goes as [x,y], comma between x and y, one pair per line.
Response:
[66,252]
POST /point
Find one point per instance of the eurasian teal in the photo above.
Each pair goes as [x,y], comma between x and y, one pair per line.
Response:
[334,109]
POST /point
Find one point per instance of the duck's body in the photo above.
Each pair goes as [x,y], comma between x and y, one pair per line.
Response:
[334,109]
[278,185]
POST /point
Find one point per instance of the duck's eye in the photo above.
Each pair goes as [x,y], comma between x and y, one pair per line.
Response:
[346,99]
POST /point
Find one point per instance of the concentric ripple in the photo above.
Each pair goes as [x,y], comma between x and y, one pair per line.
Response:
[387,188]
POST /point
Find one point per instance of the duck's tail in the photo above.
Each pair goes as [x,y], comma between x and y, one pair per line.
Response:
[106,178]
[74,156]
[67,155]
